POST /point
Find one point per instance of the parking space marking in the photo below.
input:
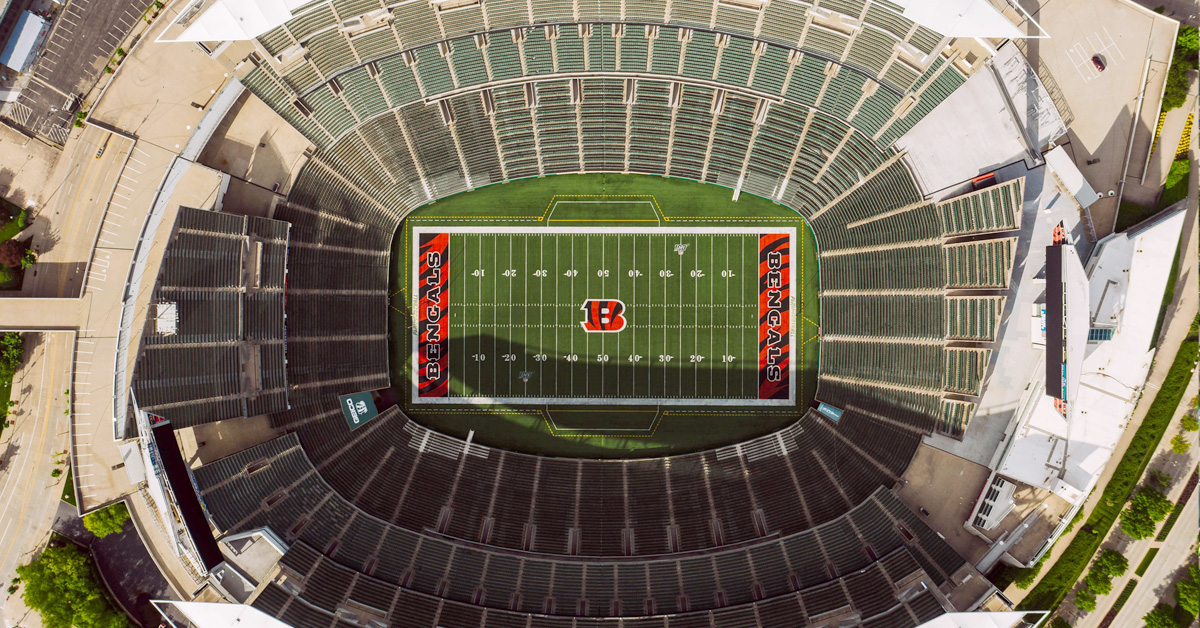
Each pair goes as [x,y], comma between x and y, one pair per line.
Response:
[1103,48]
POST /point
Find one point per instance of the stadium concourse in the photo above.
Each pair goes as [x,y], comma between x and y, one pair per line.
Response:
[343,409]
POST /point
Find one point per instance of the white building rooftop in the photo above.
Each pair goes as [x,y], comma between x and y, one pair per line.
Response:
[1127,276]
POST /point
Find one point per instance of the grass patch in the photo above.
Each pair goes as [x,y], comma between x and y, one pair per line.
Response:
[1063,575]
[1131,214]
[1168,293]
[1141,570]
[14,225]
[5,395]
[1175,189]
[68,493]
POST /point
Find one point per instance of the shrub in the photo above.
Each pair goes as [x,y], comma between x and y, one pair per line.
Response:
[1183,60]
[12,353]
[1025,577]
[1180,444]
[61,586]
[1149,508]
[107,520]
[1190,423]
[29,258]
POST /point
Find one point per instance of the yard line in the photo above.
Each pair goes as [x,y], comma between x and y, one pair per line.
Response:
[742,333]
[711,300]
[632,365]
[511,241]
[479,335]
[556,308]
[572,369]
[587,291]
[495,310]
[727,245]
[541,304]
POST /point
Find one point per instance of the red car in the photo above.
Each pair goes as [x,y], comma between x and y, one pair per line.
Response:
[1098,62]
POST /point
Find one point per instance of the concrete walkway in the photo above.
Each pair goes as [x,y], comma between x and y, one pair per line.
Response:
[1179,467]
[29,495]
[1169,566]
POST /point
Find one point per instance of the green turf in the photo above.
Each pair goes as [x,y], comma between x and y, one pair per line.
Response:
[1145,564]
[691,317]
[68,492]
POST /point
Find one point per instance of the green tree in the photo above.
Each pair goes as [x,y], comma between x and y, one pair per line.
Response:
[1163,616]
[1099,581]
[1190,423]
[1180,444]
[107,521]
[1085,600]
[1142,516]
[12,353]
[1187,591]
[1112,562]
[1059,622]
[61,587]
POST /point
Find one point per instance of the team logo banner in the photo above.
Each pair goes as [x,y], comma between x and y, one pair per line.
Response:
[774,283]
[433,323]
[358,408]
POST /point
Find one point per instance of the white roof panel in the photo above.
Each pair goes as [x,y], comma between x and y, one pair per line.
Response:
[961,18]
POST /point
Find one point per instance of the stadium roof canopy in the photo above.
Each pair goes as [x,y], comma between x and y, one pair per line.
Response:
[961,18]
[220,615]
[228,20]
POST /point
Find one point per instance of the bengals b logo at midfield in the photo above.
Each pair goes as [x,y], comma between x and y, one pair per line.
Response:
[603,315]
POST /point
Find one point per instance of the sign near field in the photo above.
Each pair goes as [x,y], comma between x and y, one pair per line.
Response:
[358,408]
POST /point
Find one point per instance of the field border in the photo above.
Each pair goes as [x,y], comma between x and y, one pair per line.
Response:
[796,317]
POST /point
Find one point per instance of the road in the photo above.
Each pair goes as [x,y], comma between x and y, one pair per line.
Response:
[28,494]
[75,200]
[1158,584]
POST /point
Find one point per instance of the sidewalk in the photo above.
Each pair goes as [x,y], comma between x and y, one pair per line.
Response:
[1180,469]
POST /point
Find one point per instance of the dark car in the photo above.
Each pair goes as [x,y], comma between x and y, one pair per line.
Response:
[1098,62]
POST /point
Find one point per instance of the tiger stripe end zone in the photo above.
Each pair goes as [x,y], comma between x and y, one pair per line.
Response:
[604,315]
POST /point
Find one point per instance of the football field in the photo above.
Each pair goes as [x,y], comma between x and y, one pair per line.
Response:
[604,315]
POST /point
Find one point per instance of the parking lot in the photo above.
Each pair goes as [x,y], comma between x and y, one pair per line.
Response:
[85,34]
